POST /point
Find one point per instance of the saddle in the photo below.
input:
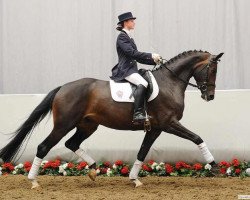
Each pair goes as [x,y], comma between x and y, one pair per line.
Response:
[123,91]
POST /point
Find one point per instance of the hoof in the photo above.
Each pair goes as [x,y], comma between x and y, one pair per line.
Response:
[137,183]
[35,185]
[92,174]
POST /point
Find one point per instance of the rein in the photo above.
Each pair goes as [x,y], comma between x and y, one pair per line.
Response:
[203,86]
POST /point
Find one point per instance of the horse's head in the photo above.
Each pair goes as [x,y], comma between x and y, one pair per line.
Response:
[205,76]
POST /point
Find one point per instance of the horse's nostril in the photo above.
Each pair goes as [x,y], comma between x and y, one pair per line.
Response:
[211,97]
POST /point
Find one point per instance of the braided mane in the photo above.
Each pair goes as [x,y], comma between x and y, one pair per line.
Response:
[181,55]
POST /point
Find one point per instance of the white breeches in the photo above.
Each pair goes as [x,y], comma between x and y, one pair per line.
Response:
[137,79]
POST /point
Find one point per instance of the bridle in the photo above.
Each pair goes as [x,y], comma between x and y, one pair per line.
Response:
[203,85]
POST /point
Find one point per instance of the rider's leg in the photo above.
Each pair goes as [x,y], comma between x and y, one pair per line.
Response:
[137,79]
[142,84]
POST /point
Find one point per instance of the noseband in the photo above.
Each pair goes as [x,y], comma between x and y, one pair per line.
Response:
[200,85]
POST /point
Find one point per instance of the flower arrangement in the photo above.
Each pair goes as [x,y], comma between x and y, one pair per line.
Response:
[234,168]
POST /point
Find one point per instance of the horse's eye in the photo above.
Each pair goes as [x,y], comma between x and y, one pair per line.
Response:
[214,71]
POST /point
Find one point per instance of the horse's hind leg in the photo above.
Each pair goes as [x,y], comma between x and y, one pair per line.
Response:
[42,150]
[82,133]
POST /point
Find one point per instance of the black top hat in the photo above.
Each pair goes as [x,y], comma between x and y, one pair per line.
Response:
[125,16]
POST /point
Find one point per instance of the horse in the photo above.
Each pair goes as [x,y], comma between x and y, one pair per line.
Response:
[86,103]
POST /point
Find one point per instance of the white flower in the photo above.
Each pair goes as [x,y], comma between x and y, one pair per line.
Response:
[158,167]
[14,172]
[114,166]
[44,162]
[87,167]
[64,173]
[0,172]
[64,166]
[19,166]
[162,164]
[154,165]
[109,172]
[61,170]
[98,171]
[0,168]
[208,166]
[228,172]
[247,171]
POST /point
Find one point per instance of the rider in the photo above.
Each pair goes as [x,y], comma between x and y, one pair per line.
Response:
[127,68]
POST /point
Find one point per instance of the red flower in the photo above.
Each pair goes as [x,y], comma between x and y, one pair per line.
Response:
[58,162]
[182,164]
[103,170]
[8,166]
[178,165]
[223,170]
[146,168]
[235,162]
[81,165]
[224,164]
[187,166]
[106,164]
[151,162]
[47,165]
[197,166]
[119,163]
[55,164]
[27,169]
[237,171]
[70,165]
[27,166]
[169,169]
[125,170]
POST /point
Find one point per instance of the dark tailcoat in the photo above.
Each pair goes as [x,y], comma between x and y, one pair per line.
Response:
[128,56]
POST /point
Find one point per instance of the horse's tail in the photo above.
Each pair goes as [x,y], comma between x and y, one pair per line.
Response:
[21,134]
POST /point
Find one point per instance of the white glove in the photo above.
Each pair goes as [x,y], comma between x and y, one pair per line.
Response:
[157,58]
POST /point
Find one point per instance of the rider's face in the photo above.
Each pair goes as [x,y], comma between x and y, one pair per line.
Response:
[129,24]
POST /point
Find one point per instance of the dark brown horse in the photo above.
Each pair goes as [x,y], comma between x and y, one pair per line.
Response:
[86,103]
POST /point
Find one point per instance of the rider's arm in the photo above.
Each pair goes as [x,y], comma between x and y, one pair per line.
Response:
[124,43]
[146,62]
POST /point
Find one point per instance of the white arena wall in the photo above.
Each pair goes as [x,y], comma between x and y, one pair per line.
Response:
[223,124]
[47,43]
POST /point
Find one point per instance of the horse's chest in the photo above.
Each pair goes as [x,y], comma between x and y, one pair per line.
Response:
[175,104]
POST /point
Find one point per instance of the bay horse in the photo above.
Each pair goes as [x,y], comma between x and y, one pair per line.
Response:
[86,103]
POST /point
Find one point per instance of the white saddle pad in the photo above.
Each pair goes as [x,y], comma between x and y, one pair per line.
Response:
[121,92]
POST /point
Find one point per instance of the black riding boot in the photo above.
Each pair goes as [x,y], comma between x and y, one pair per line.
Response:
[139,113]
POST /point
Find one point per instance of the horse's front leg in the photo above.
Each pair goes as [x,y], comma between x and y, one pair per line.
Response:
[178,129]
[148,140]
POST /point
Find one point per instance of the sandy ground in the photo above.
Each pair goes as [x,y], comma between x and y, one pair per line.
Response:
[58,187]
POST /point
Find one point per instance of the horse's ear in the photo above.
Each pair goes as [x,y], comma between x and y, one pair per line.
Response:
[218,56]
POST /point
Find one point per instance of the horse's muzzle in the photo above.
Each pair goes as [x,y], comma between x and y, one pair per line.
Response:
[211,97]
[207,97]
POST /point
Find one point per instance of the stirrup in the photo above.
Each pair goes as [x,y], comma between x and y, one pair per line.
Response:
[138,121]
[140,118]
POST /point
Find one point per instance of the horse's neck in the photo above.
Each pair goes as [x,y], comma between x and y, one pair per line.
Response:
[167,80]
